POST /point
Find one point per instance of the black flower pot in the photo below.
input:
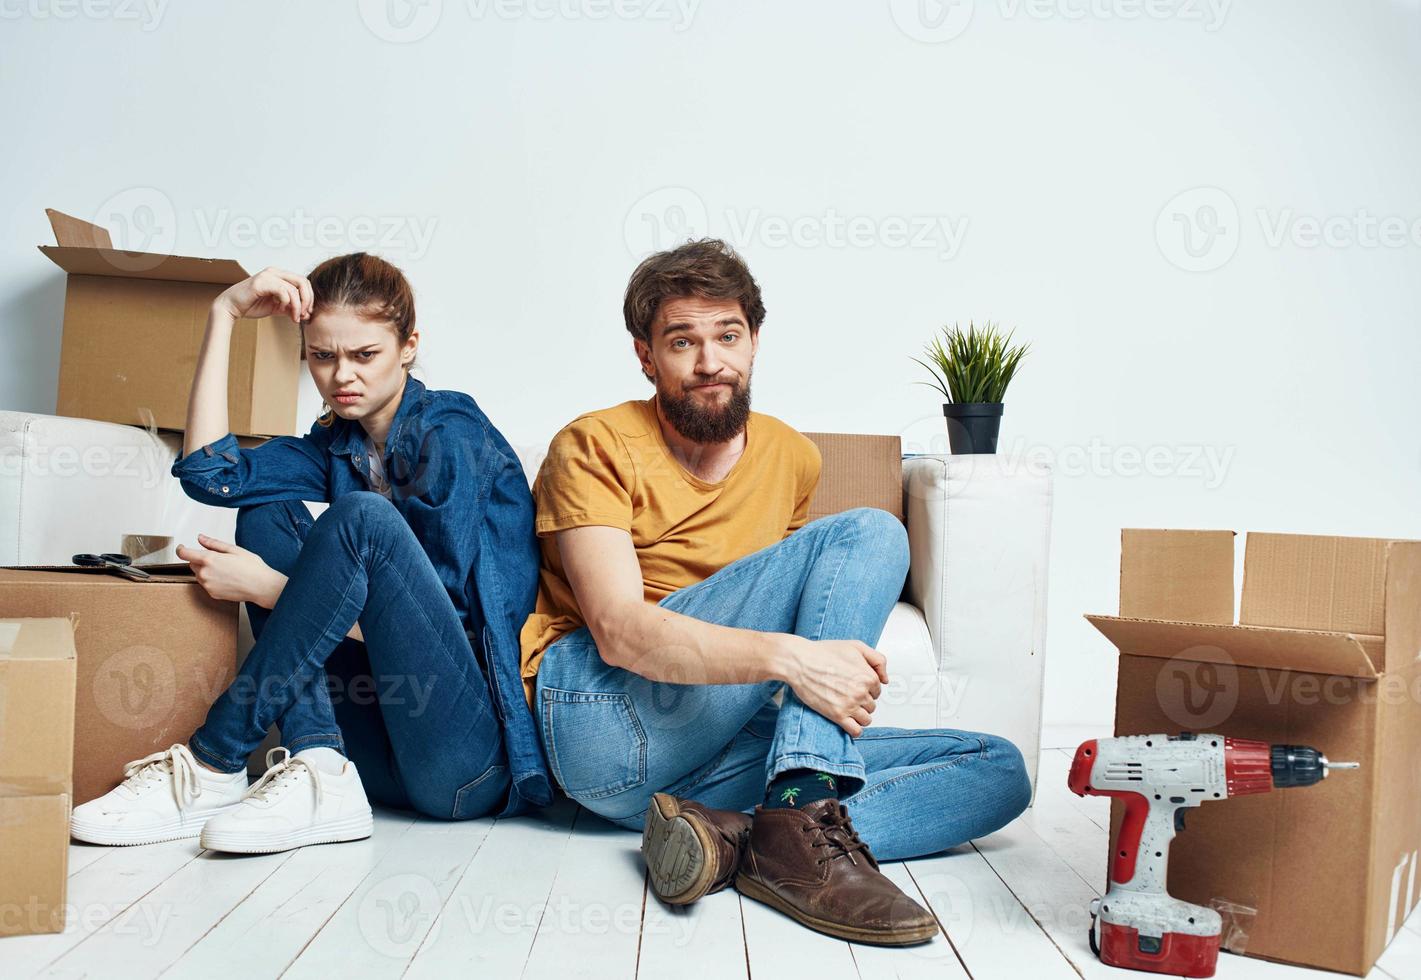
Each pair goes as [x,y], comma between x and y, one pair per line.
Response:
[972,427]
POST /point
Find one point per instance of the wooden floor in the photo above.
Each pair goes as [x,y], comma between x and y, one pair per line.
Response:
[563,895]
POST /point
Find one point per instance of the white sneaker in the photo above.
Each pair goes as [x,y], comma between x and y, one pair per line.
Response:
[294,803]
[163,796]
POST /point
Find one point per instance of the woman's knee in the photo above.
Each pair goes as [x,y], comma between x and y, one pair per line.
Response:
[272,528]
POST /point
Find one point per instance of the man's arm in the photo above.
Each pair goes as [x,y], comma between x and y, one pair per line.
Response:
[840,679]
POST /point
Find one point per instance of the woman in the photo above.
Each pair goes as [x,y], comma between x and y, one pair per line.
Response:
[386,629]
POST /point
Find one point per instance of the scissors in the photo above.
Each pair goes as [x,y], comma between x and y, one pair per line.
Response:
[118,563]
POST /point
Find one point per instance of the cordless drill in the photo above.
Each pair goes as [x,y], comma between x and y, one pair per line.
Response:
[1137,924]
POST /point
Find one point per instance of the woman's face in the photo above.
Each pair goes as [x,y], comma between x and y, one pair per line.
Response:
[358,363]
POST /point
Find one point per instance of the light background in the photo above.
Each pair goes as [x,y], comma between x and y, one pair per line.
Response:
[516,158]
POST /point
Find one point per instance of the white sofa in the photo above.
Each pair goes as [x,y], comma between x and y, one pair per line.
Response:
[965,651]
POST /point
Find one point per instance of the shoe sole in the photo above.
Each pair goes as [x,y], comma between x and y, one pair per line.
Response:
[751,888]
[335,832]
[182,829]
[677,849]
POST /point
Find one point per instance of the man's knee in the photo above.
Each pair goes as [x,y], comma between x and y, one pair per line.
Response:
[1015,782]
[879,533]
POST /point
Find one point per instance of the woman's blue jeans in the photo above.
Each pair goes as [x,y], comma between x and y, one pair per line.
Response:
[410,706]
[614,738]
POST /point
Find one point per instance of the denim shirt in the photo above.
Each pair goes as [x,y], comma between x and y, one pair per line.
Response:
[457,482]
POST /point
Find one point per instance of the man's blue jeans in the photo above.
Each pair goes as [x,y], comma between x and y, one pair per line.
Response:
[410,706]
[614,738]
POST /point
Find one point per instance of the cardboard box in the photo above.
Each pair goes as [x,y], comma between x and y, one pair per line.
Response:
[1325,654]
[133,327]
[152,657]
[857,471]
[36,753]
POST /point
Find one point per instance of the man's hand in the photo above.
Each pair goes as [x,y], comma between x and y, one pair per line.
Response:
[235,574]
[839,679]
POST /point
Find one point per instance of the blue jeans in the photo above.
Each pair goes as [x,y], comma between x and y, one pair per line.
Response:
[410,706]
[614,738]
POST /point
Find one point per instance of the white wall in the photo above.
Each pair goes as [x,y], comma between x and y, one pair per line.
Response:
[545,154]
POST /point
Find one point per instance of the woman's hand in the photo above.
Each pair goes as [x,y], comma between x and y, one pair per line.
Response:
[232,573]
[269,291]
[839,679]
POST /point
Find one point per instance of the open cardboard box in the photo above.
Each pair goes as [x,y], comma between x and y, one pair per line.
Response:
[1324,653]
[133,327]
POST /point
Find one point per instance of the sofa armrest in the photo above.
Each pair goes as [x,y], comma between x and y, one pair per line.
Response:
[70,485]
[979,535]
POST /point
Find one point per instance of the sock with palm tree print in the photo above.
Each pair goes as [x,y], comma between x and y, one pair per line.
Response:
[799,787]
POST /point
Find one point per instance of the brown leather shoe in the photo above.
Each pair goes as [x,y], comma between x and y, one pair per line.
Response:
[810,864]
[690,849]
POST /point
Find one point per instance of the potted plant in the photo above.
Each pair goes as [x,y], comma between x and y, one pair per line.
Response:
[972,369]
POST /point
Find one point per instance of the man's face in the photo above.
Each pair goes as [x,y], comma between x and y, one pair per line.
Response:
[700,358]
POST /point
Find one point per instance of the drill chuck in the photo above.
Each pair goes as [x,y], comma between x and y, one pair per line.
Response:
[1301,765]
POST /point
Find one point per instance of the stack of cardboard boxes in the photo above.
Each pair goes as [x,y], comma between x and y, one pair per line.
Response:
[95,669]
[36,753]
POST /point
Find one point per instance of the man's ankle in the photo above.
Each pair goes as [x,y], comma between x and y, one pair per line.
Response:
[800,787]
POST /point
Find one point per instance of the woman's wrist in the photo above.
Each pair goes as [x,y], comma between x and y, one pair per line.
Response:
[221,315]
[275,583]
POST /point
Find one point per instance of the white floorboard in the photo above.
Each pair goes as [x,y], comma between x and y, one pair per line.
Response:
[562,895]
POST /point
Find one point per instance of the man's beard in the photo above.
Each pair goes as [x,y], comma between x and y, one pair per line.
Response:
[699,423]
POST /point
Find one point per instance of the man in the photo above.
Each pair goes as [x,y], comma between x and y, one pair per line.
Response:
[681,590]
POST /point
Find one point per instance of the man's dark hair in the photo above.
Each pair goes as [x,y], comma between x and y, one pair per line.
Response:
[708,268]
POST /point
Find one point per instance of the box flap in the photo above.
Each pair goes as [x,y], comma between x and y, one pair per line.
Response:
[180,572]
[857,471]
[1314,582]
[1403,604]
[1313,651]
[69,230]
[86,261]
[36,639]
[1186,576]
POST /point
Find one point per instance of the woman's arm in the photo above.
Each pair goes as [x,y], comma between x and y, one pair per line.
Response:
[269,291]
[234,574]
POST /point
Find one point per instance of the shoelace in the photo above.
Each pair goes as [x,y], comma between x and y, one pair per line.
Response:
[175,759]
[834,831]
[282,773]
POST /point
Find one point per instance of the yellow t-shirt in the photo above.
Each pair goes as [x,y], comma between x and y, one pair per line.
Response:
[613,468]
